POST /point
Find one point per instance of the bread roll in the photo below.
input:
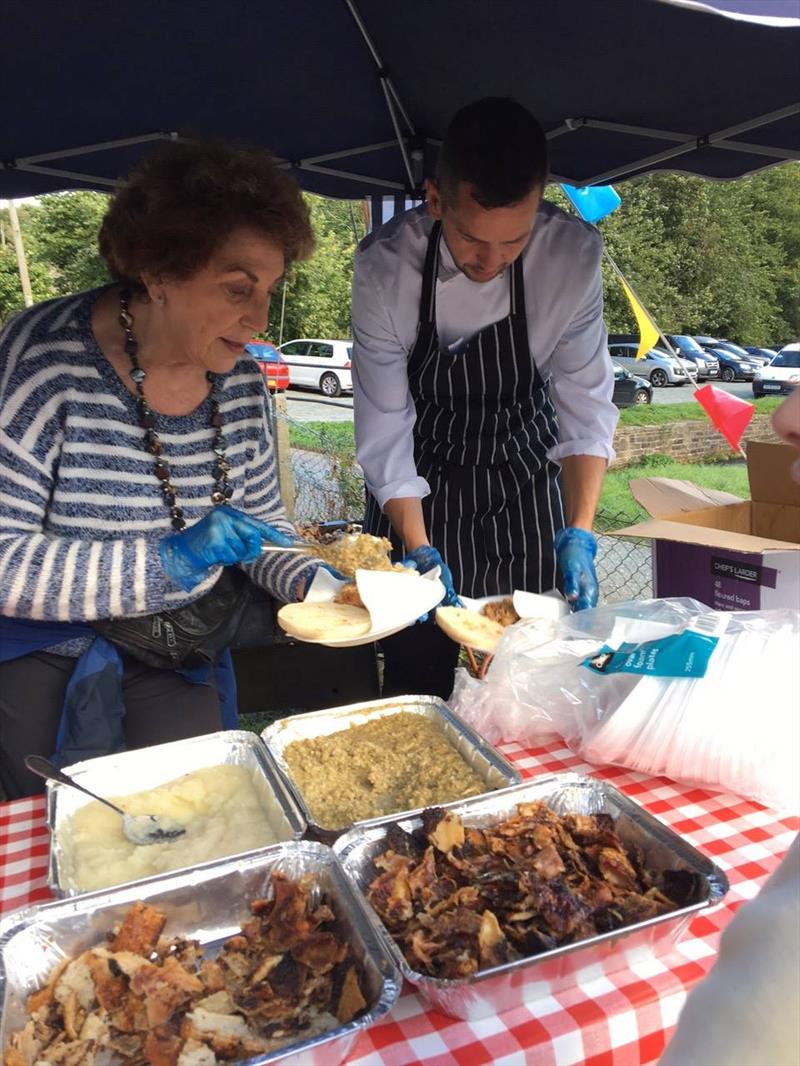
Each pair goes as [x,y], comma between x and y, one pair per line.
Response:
[324,622]
[469,628]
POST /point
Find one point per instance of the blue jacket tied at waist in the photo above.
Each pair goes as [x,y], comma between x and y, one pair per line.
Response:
[91,719]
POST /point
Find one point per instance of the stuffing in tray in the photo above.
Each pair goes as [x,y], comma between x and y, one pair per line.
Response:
[142,998]
[396,762]
[458,900]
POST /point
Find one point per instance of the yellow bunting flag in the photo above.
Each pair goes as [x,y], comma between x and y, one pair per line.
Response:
[648,334]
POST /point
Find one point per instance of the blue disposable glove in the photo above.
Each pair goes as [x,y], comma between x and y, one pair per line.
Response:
[575,552]
[225,536]
[424,559]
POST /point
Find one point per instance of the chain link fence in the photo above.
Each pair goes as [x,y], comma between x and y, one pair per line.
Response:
[325,482]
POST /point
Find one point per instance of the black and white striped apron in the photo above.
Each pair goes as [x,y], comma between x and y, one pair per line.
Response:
[484,426]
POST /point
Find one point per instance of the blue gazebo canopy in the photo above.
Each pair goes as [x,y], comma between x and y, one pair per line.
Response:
[354,95]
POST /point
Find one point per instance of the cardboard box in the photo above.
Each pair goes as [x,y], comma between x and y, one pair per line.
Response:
[732,554]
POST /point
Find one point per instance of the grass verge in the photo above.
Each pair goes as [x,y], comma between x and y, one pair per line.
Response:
[322,436]
[619,508]
[617,505]
[657,414]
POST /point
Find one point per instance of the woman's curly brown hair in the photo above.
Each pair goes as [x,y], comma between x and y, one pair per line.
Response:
[180,204]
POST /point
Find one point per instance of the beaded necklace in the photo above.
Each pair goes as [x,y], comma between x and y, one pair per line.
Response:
[148,420]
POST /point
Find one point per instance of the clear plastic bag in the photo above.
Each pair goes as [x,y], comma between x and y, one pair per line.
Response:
[735,729]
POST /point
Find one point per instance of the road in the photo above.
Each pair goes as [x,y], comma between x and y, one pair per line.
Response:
[307,406]
[684,393]
[304,405]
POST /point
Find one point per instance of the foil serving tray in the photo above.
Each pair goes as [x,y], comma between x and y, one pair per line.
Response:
[207,904]
[478,753]
[147,768]
[504,987]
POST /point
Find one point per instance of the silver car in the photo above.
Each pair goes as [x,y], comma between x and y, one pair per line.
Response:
[658,366]
[705,364]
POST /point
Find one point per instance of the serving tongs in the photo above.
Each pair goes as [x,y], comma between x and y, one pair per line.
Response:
[303,548]
[330,531]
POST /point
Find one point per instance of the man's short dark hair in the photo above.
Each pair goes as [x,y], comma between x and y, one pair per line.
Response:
[498,147]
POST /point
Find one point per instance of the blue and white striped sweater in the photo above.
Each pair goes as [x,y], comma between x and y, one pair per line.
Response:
[81,512]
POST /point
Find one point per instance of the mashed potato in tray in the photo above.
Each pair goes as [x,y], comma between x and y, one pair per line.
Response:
[218,805]
[394,763]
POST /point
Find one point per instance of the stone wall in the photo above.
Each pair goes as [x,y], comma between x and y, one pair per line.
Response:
[685,441]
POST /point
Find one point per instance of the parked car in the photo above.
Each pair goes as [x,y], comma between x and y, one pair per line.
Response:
[275,372]
[658,366]
[629,389]
[320,364]
[732,367]
[737,349]
[767,354]
[781,376]
[706,364]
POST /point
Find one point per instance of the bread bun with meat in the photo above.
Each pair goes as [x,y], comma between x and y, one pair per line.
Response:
[324,621]
[469,628]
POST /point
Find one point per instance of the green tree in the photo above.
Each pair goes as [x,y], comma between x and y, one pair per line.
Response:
[706,257]
[10,287]
[63,235]
[775,195]
[318,291]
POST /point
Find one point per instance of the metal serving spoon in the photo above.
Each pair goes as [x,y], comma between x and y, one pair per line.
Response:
[138,828]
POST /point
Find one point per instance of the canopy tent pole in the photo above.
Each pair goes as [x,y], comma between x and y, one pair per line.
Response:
[326,157]
[101,146]
[393,101]
[400,139]
[682,143]
[685,142]
[378,62]
[384,183]
[31,164]
[73,175]
[311,164]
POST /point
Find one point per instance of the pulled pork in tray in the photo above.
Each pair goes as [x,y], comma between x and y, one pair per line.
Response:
[458,900]
[141,998]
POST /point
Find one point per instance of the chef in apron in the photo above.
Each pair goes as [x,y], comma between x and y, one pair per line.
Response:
[482,383]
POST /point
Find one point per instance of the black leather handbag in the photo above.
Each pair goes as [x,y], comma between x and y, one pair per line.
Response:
[190,636]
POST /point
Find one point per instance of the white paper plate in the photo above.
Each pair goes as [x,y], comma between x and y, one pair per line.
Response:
[394,600]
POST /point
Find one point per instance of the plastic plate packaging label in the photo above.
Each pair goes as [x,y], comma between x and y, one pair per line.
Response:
[684,654]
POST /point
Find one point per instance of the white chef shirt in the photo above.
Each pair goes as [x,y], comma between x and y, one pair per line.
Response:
[566,335]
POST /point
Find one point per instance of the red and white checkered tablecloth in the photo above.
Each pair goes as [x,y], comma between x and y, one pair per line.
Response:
[605,1020]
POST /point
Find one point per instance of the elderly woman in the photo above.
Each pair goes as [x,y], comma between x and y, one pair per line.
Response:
[137,467]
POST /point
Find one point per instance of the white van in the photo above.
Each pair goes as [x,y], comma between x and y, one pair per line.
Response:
[319,364]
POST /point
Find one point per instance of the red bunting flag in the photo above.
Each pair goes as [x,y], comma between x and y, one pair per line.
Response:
[729,414]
